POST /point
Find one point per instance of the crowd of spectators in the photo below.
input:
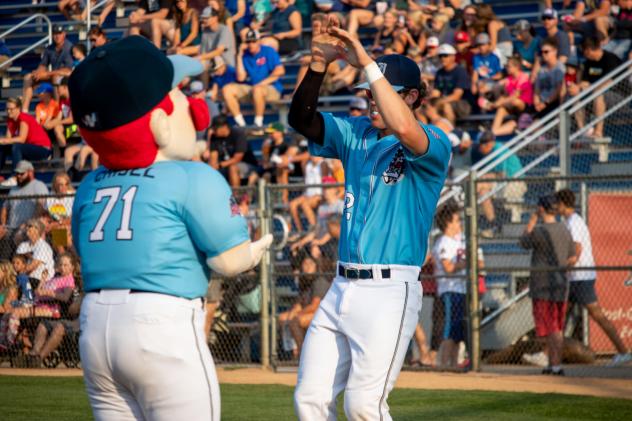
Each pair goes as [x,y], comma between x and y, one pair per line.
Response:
[473,62]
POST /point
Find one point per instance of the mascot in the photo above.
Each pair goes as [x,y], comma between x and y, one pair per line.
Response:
[147,226]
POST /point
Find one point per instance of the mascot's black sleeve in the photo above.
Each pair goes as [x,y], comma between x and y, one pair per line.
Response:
[303,116]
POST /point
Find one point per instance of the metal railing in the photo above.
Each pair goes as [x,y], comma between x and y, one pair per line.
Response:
[48,39]
[551,120]
[91,9]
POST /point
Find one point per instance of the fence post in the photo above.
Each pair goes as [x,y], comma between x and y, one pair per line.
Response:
[565,146]
[471,229]
[264,274]
[583,211]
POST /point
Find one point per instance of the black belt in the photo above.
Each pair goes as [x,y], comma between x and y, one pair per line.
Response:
[131,291]
[352,273]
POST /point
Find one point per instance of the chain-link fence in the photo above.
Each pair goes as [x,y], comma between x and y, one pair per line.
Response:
[479,315]
[558,277]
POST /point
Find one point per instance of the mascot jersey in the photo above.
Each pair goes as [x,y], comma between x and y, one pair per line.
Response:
[156,226]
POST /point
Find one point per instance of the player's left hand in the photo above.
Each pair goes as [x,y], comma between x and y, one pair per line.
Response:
[353,51]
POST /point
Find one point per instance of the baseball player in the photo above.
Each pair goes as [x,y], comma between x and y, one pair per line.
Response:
[395,168]
[147,226]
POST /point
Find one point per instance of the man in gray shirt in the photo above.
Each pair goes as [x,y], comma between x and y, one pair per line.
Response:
[217,39]
[16,212]
[552,247]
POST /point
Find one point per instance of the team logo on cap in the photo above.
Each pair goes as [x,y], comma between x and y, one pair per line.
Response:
[90,120]
[395,171]
[382,67]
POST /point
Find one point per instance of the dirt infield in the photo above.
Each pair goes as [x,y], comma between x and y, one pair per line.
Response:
[614,388]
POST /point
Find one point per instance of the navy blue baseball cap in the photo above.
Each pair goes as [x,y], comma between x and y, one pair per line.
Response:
[400,71]
[124,80]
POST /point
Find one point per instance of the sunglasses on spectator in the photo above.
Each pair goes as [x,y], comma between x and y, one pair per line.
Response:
[93,40]
[546,51]
[356,109]
[548,18]
[444,55]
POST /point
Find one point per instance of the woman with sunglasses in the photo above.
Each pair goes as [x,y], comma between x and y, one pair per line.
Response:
[25,139]
[395,168]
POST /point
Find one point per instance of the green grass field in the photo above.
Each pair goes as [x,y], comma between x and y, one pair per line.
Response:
[51,398]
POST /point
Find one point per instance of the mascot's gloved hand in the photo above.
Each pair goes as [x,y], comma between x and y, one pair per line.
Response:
[241,258]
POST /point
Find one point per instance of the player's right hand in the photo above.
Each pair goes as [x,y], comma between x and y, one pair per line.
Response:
[325,48]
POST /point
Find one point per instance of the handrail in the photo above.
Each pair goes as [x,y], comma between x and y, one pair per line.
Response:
[91,9]
[534,131]
[33,46]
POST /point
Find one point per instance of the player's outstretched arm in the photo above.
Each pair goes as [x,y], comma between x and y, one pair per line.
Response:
[240,258]
[394,109]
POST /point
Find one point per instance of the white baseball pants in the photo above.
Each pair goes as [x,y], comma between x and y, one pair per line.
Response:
[357,342]
[145,357]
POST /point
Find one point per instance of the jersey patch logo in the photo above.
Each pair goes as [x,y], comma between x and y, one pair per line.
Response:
[432,132]
[395,170]
[234,207]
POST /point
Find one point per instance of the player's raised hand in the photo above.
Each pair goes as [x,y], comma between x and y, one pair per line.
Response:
[350,48]
[325,48]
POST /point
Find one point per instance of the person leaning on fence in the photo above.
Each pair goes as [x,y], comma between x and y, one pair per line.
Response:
[582,285]
[552,251]
[450,260]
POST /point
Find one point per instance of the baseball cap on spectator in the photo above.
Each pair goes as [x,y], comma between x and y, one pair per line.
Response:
[44,88]
[482,39]
[252,35]
[461,36]
[447,49]
[358,104]
[196,87]
[432,42]
[572,61]
[400,71]
[23,166]
[58,29]
[549,13]
[275,127]
[522,25]
[219,121]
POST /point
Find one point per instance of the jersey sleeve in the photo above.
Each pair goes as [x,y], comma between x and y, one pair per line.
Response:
[210,213]
[339,135]
[433,165]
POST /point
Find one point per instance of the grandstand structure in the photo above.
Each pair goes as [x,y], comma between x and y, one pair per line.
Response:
[554,151]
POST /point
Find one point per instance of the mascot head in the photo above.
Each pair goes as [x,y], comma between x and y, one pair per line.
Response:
[128,106]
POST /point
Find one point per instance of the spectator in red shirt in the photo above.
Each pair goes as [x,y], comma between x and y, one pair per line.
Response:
[25,138]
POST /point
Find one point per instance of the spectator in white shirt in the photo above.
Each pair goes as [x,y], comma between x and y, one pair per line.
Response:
[41,264]
[582,285]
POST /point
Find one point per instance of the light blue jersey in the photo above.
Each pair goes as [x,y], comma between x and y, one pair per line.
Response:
[152,229]
[391,194]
